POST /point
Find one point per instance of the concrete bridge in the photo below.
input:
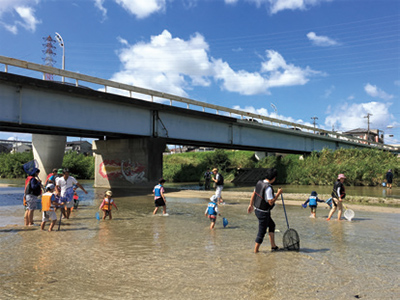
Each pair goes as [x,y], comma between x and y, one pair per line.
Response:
[133,128]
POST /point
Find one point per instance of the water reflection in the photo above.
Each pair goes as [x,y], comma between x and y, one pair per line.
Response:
[179,257]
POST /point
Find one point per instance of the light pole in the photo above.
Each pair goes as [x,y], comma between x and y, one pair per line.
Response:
[61,41]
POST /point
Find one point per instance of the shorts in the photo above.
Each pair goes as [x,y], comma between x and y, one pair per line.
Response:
[70,204]
[159,202]
[218,191]
[49,216]
[212,218]
[31,202]
[313,208]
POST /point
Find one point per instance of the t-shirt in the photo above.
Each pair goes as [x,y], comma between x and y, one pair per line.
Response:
[65,184]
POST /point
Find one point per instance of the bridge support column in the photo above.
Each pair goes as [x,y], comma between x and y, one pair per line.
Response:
[48,150]
[128,162]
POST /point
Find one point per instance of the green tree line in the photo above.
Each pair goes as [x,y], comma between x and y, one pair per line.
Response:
[80,166]
[361,167]
[366,167]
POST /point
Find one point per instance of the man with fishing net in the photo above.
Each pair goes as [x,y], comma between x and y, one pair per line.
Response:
[262,202]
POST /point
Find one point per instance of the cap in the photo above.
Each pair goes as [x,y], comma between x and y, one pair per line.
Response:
[50,186]
[60,171]
[109,193]
[214,198]
[341,176]
[215,170]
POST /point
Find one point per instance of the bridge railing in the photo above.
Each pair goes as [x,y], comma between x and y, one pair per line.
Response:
[131,90]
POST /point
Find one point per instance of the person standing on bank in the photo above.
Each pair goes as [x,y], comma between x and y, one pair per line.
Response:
[262,202]
[207,179]
[389,178]
[338,194]
[159,198]
[219,182]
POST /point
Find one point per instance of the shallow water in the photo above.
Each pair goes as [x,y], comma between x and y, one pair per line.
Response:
[137,255]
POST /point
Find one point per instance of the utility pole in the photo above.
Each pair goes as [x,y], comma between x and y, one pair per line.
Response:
[314,122]
[367,116]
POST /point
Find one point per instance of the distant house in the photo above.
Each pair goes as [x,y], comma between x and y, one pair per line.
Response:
[5,148]
[374,135]
[80,147]
[15,146]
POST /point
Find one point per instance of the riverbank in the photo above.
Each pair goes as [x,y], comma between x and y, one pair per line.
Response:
[371,204]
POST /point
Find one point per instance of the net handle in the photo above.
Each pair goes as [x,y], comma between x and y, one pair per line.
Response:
[284,209]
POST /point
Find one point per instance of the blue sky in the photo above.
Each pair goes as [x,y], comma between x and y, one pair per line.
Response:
[337,60]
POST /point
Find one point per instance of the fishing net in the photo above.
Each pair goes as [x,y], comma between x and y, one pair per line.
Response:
[291,240]
[349,214]
[31,167]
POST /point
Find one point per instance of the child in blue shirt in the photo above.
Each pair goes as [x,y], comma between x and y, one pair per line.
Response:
[312,200]
[212,211]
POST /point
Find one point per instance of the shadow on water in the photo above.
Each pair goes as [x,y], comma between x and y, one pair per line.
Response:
[361,219]
[16,229]
[232,227]
[308,250]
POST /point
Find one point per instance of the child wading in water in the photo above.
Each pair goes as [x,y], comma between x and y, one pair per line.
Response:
[107,204]
[212,211]
[159,198]
[312,200]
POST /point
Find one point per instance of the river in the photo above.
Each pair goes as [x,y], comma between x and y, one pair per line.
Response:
[137,255]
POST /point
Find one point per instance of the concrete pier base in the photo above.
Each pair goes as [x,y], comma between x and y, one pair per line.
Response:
[48,150]
[128,162]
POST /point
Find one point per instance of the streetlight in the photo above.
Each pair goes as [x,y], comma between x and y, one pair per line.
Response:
[61,41]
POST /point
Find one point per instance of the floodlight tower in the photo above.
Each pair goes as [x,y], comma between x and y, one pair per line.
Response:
[61,42]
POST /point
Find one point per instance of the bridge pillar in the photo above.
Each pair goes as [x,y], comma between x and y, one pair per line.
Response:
[48,150]
[128,162]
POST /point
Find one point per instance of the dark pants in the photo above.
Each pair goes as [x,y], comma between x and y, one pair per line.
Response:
[264,221]
[207,184]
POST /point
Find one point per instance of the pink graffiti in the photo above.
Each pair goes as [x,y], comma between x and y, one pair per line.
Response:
[131,171]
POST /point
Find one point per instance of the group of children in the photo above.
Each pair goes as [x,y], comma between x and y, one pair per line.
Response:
[59,193]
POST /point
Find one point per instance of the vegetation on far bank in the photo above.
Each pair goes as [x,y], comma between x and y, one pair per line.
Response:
[366,167]
[80,166]
[362,167]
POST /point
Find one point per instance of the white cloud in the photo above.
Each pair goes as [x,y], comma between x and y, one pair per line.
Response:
[142,9]
[165,63]
[322,41]
[100,5]
[231,1]
[280,73]
[174,65]
[25,12]
[276,6]
[329,91]
[351,116]
[376,92]
[397,82]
